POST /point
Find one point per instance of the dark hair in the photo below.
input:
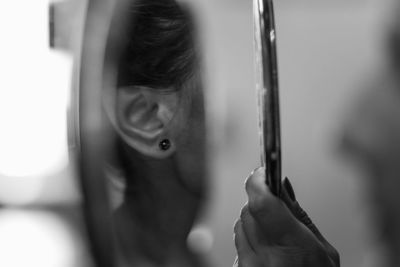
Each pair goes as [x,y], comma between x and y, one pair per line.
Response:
[159,51]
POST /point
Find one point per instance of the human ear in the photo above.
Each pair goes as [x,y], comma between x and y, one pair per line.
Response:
[143,115]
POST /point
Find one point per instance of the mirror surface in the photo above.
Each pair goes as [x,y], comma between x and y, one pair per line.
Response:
[155,109]
[149,122]
[160,126]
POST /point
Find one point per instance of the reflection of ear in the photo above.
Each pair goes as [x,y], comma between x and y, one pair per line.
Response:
[142,118]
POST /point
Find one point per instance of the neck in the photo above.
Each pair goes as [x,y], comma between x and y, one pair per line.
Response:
[157,203]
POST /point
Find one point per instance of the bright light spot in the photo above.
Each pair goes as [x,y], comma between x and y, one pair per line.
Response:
[200,239]
[37,239]
[261,6]
[19,191]
[57,188]
[272,35]
[34,93]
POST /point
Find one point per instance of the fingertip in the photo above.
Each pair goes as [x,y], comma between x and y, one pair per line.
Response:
[258,169]
[245,254]
[240,238]
[255,183]
[237,233]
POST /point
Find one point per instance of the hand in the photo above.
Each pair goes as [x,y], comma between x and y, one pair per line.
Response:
[273,232]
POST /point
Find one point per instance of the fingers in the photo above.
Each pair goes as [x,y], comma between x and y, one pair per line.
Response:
[242,244]
[250,228]
[270,213]
[270,227]
[288,196]
[261,202]
[255,183]
[246,256]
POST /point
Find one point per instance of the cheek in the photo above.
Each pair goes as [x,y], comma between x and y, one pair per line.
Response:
[182,119]
[188,126]
[180,125]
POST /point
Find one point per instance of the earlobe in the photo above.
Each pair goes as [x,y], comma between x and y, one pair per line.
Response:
[142,118]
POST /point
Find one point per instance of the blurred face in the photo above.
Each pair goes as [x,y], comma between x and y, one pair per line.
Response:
[374,138]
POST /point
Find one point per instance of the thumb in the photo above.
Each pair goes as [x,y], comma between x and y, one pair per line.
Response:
[273,217]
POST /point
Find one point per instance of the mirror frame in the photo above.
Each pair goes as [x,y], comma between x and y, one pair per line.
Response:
[89,123]
[268,92]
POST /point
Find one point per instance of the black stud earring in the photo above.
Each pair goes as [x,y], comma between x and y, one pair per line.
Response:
[165,144]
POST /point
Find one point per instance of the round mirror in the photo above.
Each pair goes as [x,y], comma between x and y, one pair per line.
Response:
[159,121]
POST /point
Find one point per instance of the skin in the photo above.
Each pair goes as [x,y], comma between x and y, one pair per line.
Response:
[152,223]
[163,196]
[276,232]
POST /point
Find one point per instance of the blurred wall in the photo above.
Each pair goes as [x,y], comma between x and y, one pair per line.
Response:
[326,50]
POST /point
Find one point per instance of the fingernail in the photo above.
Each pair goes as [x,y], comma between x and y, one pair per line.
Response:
[256,170]
[289,188]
